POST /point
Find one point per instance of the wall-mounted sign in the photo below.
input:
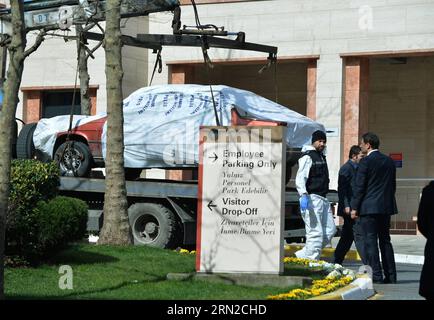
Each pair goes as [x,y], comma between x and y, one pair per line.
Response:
[241,200]
[397,158]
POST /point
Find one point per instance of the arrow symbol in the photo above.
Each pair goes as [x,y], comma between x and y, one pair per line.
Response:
[215,157]
[210,205]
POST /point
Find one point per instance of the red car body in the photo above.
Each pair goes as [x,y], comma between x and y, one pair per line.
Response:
[90,133]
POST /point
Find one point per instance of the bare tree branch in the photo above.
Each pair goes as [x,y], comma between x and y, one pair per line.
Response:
[5,40]
[91,51]
[39,39]
[100,28]
[86,48]
[90,26]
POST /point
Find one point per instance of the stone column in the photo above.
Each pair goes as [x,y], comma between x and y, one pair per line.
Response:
[311,89]
[92,92]
[32,106]
[180,74]
[355,113]
[329,108]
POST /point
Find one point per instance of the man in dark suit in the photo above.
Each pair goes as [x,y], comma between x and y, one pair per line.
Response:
[373,203]
[425,224]
[351,230]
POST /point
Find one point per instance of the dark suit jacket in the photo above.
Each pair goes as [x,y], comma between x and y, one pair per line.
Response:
[347,177]
[425,224]
[375,185]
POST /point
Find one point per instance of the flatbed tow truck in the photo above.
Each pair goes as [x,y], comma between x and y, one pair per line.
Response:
[162,213]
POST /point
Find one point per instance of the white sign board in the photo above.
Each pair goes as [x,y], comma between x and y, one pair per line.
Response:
[241,200]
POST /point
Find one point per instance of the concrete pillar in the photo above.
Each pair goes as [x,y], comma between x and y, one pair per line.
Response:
[355,108]
[311,89]
[32,106]
[180,74]
[92,92]
[329,108]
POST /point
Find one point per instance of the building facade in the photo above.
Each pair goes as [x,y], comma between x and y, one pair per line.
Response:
[353,65]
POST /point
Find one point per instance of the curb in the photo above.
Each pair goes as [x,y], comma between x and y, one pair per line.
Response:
[360,289]
[352,255]
[244,279]
[409,259]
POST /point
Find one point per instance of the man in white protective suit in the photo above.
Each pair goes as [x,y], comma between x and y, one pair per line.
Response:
[312,184]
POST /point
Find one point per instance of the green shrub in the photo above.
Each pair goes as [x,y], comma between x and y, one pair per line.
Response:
[39,223]
[31,182]
[60,221]
[49,227]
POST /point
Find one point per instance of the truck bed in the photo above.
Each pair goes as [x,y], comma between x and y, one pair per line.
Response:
[158,188]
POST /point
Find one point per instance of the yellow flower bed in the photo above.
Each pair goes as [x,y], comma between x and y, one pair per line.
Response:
[318,287]
[301,261]
[185,251]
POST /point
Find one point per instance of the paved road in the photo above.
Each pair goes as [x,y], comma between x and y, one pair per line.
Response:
[407,287]
[402,244]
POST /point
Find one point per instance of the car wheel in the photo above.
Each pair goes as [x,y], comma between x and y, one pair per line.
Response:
[74,159]
[154,225]
[25,147]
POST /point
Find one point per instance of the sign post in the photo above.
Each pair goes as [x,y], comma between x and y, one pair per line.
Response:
[241,200]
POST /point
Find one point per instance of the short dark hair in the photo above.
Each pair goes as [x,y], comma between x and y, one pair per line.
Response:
[372,139]
[354,151]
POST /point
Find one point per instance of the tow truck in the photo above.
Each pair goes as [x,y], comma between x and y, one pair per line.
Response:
[162,213]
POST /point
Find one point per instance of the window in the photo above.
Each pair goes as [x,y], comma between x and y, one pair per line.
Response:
[56,103]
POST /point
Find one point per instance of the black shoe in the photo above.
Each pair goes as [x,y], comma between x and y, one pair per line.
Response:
[389,280]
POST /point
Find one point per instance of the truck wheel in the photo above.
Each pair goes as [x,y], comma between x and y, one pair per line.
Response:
[25,146]
[154,225]
[75,160]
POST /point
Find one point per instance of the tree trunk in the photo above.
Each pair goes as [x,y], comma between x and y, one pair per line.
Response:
[7,116]
[116,229]
[83,74]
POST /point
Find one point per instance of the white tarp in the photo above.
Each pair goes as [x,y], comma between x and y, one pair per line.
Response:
[161,123]
[46,131]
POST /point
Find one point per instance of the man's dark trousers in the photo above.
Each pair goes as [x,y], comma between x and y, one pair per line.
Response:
[376,226]
[351,231]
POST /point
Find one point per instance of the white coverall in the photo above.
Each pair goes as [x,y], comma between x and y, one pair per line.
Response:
[318,218]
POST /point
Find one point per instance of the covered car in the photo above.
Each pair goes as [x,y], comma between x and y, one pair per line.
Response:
[161,127]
